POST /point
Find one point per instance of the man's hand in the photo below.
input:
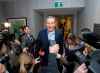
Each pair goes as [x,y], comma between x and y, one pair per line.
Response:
[54,49]
[81,69]
[41,53]
[25,49]
[2,68]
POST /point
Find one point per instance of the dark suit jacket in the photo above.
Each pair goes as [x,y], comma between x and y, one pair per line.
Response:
[43,43]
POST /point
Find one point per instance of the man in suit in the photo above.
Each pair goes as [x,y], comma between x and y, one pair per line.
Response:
[50,33]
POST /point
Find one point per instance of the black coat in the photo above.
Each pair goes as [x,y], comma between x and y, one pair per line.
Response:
[43,42]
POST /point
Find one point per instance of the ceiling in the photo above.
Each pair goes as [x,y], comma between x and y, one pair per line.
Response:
[6,0]
[59,11]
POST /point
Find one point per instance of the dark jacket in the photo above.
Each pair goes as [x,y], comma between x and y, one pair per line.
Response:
[43,43]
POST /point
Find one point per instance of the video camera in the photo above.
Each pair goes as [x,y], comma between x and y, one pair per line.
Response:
[6,35]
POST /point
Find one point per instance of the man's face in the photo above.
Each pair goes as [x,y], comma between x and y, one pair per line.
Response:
[27,30]
[51,24]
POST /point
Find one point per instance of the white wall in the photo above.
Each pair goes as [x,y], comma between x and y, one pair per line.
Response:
[1,13]
[90,14]
[38,22]
[21,8]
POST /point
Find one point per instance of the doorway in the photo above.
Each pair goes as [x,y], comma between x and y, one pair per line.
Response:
[67,19]
[65,22]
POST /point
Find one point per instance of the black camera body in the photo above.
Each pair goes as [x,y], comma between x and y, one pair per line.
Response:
[6,35]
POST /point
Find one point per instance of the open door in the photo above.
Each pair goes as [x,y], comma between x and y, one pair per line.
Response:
[65,23]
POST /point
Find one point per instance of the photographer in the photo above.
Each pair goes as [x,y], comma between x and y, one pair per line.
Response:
[9,49]
[73,53]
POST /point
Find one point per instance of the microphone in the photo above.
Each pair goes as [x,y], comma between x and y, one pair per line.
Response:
[52,42]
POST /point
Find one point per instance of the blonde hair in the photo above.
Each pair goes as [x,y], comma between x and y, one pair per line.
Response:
[48,17]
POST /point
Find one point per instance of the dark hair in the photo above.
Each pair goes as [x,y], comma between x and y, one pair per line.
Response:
[85,30]
[72,38]
[24,27]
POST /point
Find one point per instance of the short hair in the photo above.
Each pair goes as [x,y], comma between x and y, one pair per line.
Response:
[85,30]
[24,27]
[48,17]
